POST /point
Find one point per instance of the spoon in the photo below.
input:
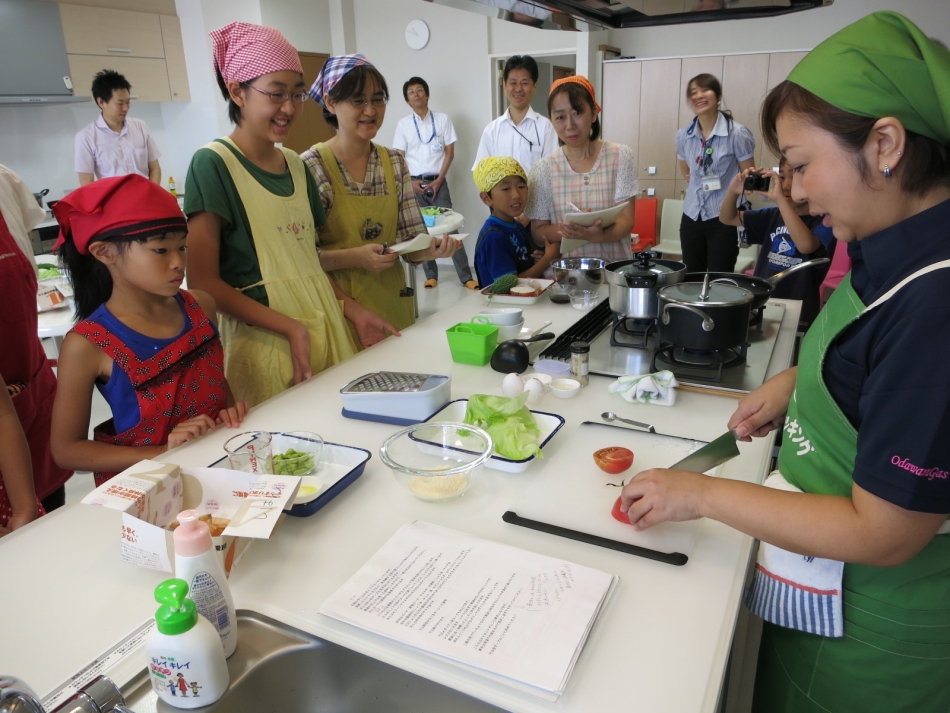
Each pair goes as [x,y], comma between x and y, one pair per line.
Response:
[611,416]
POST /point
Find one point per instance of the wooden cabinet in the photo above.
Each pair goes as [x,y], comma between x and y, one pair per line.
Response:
[148,77]
[659,99]
[175,59]
[780,65]
[621,116]
[145,47]
[113,33]
[746,75]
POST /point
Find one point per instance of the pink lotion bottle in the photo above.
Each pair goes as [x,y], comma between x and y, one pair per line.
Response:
[199,564]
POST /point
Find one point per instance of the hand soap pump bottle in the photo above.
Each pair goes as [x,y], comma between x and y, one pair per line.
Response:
[199,564]
[185,661]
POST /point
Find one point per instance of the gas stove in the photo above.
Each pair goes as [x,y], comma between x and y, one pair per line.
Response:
[620,347]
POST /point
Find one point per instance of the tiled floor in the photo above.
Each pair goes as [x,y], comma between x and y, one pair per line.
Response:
[448,292]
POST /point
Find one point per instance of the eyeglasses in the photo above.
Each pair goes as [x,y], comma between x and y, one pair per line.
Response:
[282,97]
[363,103]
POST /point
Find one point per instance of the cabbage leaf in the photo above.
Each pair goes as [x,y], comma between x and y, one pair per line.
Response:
[508,421]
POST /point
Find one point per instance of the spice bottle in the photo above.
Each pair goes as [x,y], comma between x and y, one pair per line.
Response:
[580,357]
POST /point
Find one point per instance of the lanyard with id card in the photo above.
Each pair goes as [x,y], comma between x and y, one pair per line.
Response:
[704,161]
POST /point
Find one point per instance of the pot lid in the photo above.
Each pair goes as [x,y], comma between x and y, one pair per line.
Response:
[720,295]
[645,266]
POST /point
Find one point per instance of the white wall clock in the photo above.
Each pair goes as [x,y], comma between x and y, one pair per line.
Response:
[417,34]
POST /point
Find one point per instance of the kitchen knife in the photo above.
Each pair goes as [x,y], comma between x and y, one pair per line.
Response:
[709,456]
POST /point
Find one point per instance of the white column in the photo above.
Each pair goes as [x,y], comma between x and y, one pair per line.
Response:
[342,26]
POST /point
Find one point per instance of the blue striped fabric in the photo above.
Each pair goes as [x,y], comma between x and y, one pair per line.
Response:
[788,606]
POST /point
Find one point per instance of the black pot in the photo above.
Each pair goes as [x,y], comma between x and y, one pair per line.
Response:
[710,316]
[760,287]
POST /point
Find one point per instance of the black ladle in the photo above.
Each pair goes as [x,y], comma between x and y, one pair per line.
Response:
[512,356]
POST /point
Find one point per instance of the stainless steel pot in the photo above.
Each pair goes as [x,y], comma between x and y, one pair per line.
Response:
[579,273]
[633,284]
[704,316]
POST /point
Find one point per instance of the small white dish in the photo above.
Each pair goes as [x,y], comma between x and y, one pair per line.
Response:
[565,388]
[501,316]
[310,488]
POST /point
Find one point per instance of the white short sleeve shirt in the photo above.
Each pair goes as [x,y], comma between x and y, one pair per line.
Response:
[527,143]
[105,153]
[424,141]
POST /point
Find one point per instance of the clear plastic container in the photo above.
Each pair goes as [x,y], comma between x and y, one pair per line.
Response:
[437,462]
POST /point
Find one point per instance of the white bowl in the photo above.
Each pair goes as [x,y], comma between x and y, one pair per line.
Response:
[510,331]
[565,388]
[502,316]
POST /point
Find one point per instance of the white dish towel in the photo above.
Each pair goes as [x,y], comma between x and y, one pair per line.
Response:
[658,388]
[795,591]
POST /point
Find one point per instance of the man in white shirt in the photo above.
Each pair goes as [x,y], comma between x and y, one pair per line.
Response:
[428,139]
[521,132]
[115,144]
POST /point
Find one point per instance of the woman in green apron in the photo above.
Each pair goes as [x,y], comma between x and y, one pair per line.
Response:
[253,215]
[366,191]
[853,570]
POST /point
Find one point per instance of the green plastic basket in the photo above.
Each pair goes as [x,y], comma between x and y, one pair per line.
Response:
[472,343]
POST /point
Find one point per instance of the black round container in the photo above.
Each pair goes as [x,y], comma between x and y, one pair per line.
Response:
[719,320]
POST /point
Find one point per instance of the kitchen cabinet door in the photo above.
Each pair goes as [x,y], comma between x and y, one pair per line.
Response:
[621,96]
[659,97]
[780,65]
[111,33]
[148,77]
[691,67]
[745,81]
[175,59]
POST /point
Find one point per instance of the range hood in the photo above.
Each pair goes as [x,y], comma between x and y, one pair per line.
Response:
[617,14]
[34,68]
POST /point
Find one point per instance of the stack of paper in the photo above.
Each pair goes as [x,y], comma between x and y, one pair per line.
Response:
[514,613]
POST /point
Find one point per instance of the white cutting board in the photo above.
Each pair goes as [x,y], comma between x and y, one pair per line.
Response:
[572,492]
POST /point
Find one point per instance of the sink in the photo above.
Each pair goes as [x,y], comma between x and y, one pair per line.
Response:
[281,669]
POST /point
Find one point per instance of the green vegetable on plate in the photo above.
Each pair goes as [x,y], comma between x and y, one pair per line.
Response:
[503,285]
[292,462]
[508,421]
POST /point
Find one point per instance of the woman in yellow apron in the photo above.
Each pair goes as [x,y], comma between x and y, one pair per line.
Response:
[853,570]
[253,213]
[367,193]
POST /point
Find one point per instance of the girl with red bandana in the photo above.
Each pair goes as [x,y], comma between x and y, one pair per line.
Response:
[151,348]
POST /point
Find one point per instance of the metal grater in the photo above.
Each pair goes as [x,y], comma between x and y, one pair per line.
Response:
[386,382]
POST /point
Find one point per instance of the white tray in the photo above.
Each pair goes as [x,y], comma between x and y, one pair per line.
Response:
[420,242]
[518,299]
[548,424]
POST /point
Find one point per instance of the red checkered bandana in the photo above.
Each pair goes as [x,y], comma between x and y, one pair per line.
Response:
[243,52]
[333,71]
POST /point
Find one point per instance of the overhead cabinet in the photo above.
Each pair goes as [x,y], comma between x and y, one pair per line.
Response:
[145,47]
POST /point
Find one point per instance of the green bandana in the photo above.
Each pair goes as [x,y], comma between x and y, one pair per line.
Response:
[883,65]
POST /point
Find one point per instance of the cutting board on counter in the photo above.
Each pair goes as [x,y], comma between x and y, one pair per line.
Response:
[571,496]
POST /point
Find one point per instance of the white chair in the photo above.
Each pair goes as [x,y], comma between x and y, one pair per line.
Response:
[669,245]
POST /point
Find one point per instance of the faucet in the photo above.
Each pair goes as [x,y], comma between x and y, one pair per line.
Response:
[100,696]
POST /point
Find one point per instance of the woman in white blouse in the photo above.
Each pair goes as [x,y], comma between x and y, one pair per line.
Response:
[585,172]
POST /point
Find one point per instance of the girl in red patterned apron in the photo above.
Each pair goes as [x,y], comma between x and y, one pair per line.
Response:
[150,347]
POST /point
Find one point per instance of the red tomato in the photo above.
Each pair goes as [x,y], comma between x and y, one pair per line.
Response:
[620,514]
[613,460]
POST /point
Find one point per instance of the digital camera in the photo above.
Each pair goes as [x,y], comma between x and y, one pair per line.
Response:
[757,182]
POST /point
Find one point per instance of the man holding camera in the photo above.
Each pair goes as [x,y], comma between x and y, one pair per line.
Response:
[428,140]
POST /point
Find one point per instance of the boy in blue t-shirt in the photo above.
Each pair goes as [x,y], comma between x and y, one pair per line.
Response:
[788,236]
[502,248]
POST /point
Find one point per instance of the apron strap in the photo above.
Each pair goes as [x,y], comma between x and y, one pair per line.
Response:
[910,278]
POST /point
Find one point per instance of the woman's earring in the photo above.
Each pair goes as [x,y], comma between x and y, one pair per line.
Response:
[887,171]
